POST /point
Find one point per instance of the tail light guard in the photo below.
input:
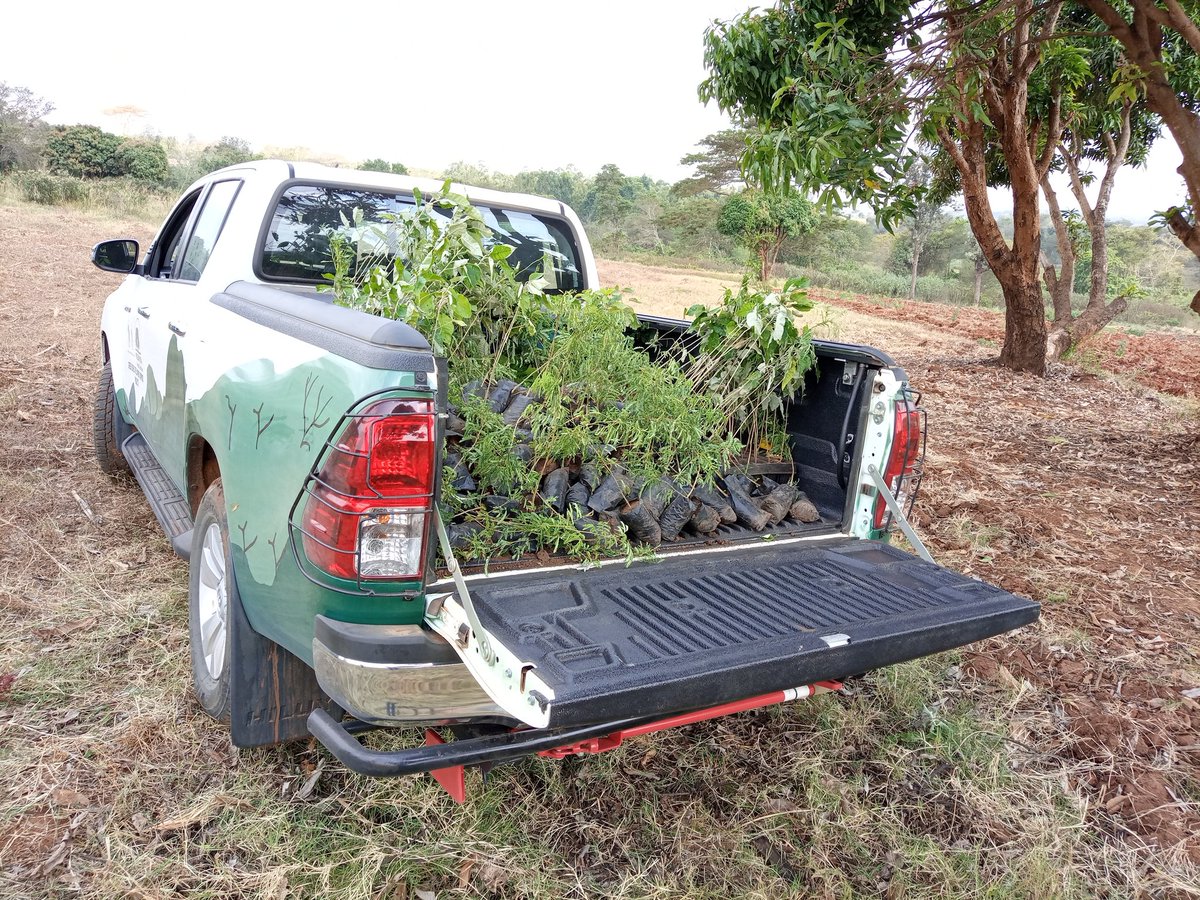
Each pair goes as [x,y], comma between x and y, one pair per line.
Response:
[893,462]
[362,523]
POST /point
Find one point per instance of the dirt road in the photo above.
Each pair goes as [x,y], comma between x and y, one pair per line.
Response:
[1063,760]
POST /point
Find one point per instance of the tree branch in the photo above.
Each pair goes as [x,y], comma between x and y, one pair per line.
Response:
[1183,23]
[1085,207]
[1053,133]
[1116,159]
[1033,55]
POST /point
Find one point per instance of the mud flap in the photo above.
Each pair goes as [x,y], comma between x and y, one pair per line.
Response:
[271,690]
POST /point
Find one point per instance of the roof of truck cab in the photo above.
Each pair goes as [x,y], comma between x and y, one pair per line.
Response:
[284,170]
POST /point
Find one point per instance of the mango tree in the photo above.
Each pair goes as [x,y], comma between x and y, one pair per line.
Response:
[839,95]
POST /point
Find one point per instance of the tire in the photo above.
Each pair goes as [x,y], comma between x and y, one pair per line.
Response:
[212,597]
[109,428]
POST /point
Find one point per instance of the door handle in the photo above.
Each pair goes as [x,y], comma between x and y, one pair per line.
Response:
[144,312]
[176,328]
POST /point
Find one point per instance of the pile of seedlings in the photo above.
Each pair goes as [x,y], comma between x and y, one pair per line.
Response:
[564,437]
[606,506]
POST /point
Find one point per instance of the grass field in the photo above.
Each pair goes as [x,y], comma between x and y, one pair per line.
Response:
[1060,761]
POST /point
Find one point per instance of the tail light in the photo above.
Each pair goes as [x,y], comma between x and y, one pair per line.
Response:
[369,504]
[905,464]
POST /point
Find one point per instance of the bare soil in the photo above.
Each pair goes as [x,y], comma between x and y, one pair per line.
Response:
[1062,760]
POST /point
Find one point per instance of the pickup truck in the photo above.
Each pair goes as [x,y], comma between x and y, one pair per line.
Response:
[291,450]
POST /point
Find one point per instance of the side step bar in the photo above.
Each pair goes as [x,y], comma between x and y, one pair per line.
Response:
[170,508]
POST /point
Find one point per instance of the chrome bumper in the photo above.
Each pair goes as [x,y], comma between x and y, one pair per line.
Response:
[396,674]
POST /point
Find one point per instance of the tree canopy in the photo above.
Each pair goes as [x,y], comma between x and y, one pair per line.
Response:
[718,163]
[763,221]
[842,96]
[382,165]
[22,131]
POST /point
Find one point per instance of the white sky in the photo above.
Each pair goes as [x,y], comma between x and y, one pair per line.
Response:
[514,85]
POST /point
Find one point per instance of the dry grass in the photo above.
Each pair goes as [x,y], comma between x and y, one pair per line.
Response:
[971,775]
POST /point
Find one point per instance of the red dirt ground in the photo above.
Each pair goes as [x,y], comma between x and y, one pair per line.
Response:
[1165,362]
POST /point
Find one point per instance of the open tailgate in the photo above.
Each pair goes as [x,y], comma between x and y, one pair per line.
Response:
[697,629]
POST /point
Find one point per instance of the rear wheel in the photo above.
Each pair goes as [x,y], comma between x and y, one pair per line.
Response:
[212,592]
[109,428]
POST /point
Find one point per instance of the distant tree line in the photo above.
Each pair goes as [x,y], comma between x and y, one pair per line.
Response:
[712,218]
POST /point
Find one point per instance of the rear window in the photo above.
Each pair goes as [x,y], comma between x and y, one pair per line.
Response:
[296,246]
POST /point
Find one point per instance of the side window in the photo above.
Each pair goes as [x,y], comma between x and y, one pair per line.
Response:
[167,249]
[208,228]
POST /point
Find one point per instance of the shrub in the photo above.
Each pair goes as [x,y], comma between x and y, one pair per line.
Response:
[143,160]
[753,353]
[229,151]
[382,165]
[870,280]
[50,190]
[118,196]
[597,396]
[83,151]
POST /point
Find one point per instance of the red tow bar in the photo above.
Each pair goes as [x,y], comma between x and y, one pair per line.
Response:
[614,740]
[453,778]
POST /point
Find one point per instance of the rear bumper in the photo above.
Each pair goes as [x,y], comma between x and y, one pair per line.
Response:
[446,761]
[495,748]
[396,675]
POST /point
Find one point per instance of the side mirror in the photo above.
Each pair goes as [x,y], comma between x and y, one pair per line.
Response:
[120,256]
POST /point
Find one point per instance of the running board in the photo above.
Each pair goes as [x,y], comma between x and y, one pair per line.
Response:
[172,511]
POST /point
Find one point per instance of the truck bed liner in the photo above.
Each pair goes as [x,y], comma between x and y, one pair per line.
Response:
[701,629]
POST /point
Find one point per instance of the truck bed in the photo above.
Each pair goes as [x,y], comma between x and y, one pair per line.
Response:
[703,628]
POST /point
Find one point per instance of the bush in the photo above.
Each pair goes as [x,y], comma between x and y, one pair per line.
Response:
[117,196]
[229,151]
[83,151]
[50,190]
[886,284]
[130,197]
[382,165]
[143,160]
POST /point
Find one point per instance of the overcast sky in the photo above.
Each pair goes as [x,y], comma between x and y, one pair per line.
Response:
[517,85]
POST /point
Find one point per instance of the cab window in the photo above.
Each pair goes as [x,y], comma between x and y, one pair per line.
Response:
[298,237]
[207,229]
[167,250]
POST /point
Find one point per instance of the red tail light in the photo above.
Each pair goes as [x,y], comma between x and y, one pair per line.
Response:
[902,473]
[367,511]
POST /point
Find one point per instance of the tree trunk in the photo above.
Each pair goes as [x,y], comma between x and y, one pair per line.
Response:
[979,270]
[764,262]
[1082,327]
[1024,325]
[912,287]
[1059,283]
[1005,95]
[1142,38]
[1068,330]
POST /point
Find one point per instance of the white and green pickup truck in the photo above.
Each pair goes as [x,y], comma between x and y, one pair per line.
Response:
[291,449]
